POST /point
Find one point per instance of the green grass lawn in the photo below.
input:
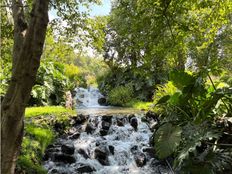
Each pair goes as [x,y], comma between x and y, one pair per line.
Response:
[140,105]
[46,110]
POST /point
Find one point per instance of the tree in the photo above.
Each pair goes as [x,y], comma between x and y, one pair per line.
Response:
[30,25]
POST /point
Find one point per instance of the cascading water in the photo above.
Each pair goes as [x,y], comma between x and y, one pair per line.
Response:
[105,145]
[87,97]
[104,140]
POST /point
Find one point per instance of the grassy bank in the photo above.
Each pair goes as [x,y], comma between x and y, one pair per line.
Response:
[38,134]
[146,106]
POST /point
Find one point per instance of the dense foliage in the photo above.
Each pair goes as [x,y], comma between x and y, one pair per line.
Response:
[196,123]
[120,95]
[145,39]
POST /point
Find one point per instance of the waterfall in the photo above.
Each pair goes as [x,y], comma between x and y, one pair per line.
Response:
[87,97]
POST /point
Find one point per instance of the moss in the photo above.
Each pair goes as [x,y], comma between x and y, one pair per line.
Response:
[46,110]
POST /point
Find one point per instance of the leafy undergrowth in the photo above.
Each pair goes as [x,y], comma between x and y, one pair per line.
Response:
[196,124]
[38,134]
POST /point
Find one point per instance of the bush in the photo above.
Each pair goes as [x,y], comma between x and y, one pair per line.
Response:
[53,80]
[120,95]
[142,82]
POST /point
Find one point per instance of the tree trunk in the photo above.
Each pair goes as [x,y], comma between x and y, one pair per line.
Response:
[26,64]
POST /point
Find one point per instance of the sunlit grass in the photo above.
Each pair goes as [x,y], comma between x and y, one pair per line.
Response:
[46,110]
[38,135]
[140,105]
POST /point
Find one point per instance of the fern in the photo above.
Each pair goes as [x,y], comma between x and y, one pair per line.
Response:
[167,139]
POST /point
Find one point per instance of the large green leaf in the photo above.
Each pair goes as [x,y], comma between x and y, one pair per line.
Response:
[163,99]
[181,79]
[167,139]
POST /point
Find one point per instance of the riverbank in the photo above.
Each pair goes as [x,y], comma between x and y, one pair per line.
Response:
[41,129]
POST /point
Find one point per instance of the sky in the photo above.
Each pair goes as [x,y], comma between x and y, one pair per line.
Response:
[96,10]
[104,9]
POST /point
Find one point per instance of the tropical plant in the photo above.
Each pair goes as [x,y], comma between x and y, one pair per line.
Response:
[190,124]
[53,80]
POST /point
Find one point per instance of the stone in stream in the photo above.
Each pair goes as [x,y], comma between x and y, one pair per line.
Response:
[152,116]
[85,168]
[80,119]
[107,118]
[120,122]
[111,149]
[89,128]
[102,101]
[150,151]
[106,125]
[134,149]
[101,155]
[134,123]
[65,158]
[59,127]
[103,132]
[49,152]
[140,159]
[83,153]
[74,136]
[68,149]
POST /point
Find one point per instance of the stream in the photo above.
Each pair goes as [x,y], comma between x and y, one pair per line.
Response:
[104,140]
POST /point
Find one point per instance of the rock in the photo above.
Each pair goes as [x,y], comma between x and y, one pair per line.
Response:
[83,153]
[107,118]
[134,149]
[151,115]
[144,119]
[101,155]
[68,149]
[134,123]
[49,152]
[102,101]
[85,168]
[106,125]
[150,151]
[89,128]
[54,171]
[140,159]
[131,116]
[59,127]
[111,149]
[65,158]
[80,119]
[74,136]
[120,122]
[103,132]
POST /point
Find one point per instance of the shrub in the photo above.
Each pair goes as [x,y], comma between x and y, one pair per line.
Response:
[120,95]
